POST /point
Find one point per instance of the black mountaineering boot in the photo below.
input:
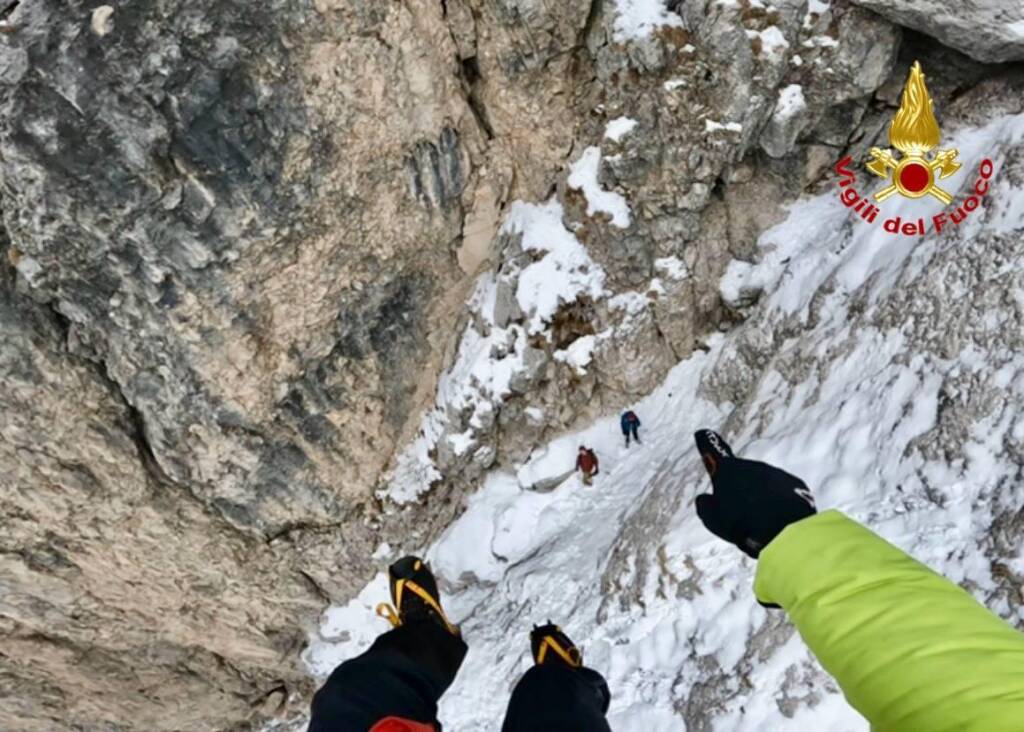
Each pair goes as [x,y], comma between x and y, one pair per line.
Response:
[550,645]
[406,670]
[414,594]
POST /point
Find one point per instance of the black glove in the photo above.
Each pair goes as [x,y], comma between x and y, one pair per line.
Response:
[751,502]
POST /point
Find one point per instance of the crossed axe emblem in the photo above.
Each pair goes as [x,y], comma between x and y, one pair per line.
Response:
[914,176]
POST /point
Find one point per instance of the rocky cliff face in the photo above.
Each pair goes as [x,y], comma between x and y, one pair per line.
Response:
[239,240]
[123,595]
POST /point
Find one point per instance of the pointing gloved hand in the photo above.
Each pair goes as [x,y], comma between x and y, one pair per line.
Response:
[751,502]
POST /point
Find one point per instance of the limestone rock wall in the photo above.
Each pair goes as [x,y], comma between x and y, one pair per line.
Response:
[123,597]
[235,231]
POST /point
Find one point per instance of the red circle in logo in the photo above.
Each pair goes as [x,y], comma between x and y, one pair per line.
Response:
[915,177]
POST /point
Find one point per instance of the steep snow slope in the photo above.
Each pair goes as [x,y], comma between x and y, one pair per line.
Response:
[886,371]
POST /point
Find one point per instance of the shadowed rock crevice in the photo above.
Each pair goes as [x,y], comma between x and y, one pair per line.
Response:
[436,172]
[470,79]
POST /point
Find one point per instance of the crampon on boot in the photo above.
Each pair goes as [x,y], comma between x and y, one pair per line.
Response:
[550,645]
[414,595]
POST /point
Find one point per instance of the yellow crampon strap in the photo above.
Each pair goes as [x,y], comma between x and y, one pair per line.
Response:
[573,660]
[425,596]
[389,613]
[386,611]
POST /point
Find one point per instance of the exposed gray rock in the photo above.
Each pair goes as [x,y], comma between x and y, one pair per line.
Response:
[788,120]
[534,362]
[506,307]
[187,189]
[126,603]
[987,30]
[546,485]
[845,54]
[863,56]
[244,218]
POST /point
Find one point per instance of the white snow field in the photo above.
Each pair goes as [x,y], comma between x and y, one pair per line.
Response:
[661,607]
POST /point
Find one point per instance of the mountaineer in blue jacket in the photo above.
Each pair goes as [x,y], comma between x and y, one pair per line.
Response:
[630,423]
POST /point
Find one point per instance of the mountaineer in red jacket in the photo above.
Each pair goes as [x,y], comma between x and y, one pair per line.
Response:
[586,463]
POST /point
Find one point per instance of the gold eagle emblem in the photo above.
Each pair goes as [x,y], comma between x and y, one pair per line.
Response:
[914,132]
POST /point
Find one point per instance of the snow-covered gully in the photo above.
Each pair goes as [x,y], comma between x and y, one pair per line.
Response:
[843,379]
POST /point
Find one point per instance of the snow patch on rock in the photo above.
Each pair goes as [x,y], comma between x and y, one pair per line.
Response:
[566,271]
[711,125]
[637,19]
[674,267]
[788,120]
[583,177]
[619,128]
[773,43]
[579,354]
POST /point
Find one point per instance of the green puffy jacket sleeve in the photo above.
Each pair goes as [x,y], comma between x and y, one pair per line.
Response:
[911,650]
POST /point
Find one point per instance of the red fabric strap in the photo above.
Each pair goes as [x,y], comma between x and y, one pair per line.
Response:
[396,724]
